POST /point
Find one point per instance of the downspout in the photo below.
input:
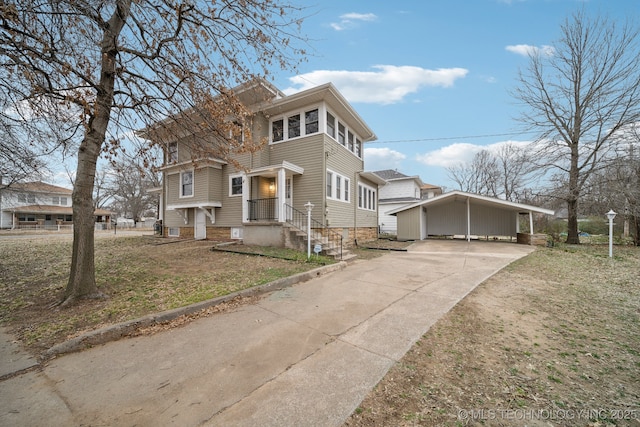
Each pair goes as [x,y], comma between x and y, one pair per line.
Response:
[355,208]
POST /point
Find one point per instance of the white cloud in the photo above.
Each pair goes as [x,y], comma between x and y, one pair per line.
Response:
[387,84]
[350,20]
[528,50]
[382,158]
[460,152]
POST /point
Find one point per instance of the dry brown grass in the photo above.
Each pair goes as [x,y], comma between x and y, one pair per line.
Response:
[139,277]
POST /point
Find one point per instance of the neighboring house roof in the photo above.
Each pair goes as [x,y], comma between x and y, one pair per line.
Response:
[63,210]
[462,196]
[39,187]
[388,174]
[391,175]
[373,178]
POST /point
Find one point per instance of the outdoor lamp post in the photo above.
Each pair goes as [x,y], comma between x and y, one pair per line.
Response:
[611,215]
[309,207]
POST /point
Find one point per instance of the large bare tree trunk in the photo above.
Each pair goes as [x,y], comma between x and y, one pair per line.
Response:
[572,198]
[82,281]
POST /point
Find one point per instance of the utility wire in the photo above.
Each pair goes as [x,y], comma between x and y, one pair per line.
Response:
[448,138]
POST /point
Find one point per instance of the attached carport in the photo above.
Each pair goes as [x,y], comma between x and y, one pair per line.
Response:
[459,213]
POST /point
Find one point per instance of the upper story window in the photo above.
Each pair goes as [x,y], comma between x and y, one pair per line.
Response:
[350,141]
[236,133]
[341,133]
[311,122]
[55,200]
[186,184]
[331,125]
[293,127]
[172,152]
[22,198]
[277,130]
[235,185]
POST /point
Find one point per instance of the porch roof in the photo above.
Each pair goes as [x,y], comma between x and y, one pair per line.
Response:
[271,170]
[47,209]
[203,205]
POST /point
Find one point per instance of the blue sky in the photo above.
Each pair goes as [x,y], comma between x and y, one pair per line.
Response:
[433,74]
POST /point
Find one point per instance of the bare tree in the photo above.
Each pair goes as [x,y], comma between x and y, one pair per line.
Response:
[480,176]
[505,173]
[109,67]
[579,97]
[128,185]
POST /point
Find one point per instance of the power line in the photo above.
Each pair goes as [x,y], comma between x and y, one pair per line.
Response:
[448,138]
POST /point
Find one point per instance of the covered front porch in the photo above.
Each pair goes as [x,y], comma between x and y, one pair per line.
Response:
[266,191]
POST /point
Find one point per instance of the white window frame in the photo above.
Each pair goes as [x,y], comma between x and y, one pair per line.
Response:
[173,232]
[63,201]
[55,200]
[367,197]
[231,178]
[182,184]
[339,187]
[302,124]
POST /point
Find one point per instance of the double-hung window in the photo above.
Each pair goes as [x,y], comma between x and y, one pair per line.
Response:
[235,185]
[311,122]
[367,197]
[293,123]
[186,184]
[341,133]
[331,125]
[338,186]
[277,130]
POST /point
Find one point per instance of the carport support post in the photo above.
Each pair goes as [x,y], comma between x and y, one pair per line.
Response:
[531,223]
[468,219]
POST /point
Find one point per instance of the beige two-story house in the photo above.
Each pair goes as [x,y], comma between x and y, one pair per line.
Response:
[313,155]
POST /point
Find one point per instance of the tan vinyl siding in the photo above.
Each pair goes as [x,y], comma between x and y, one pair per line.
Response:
[343,162]
[308,153]
[409,224]
[172,183]
[366,218]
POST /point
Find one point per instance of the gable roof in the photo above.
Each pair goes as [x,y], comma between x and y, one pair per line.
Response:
[40,187]
[455,196]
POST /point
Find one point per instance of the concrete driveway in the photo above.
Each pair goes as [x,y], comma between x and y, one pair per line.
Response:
[304,355]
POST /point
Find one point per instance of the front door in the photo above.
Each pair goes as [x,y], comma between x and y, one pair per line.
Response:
[200,231]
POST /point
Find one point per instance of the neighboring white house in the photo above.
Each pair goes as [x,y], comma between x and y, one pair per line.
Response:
[39,205]
[400,190]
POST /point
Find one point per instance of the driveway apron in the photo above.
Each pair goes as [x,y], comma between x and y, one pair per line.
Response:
[303,355]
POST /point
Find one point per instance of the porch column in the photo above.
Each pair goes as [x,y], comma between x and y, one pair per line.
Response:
[245,198]
[280,194]
[517,223]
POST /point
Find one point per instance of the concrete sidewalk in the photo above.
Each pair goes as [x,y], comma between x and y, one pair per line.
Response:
[304,355]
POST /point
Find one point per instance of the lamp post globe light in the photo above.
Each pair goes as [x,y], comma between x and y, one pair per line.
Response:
[611,215]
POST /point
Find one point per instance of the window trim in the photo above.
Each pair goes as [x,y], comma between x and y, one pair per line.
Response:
[182,184]
[231,178]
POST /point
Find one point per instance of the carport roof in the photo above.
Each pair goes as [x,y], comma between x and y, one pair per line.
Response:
[454,196]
